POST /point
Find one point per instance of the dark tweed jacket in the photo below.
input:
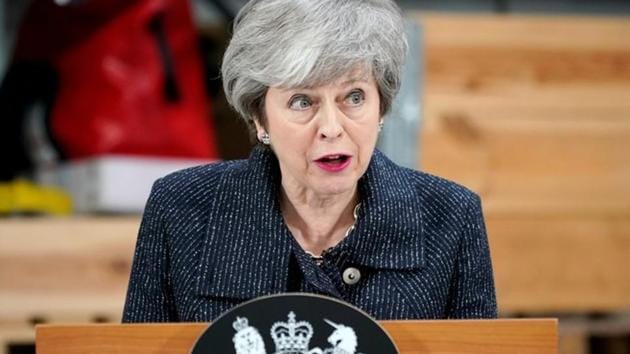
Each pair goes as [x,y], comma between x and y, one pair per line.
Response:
[213,236]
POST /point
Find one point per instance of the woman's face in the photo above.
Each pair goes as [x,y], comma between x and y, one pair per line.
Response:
[324,136]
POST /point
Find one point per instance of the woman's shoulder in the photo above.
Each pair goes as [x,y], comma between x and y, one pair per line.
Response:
[206,171]
[426,186]
[433,186]
[193,182]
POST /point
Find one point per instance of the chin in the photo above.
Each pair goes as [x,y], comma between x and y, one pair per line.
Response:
[335,187]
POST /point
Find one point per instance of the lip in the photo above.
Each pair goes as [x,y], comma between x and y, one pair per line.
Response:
[333,167]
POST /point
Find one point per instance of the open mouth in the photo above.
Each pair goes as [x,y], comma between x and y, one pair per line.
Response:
[334,159]
[334,162]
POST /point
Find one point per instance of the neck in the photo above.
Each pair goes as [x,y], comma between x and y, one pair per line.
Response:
[317,222]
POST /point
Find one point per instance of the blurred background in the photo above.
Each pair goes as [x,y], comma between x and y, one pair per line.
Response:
[525,102]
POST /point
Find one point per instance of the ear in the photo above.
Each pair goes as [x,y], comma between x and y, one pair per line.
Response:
[260,130]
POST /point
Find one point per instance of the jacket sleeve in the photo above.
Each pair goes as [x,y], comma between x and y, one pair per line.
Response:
[472,293]
[149,295]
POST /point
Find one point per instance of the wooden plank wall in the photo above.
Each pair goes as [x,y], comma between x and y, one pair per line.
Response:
[533,113]
[64,269]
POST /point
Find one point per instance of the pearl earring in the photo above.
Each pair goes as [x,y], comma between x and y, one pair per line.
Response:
[265,138]
[380,125]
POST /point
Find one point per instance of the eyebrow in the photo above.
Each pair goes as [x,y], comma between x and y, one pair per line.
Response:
[353,80]
[347,82]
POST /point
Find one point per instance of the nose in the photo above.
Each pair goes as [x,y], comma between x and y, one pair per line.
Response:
[330,125]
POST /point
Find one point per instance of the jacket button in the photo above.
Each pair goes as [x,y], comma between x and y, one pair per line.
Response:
[351,276]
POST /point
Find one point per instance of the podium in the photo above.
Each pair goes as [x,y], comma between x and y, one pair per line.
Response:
[522,336]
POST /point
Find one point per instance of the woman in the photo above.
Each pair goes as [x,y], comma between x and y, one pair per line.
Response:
[315,208]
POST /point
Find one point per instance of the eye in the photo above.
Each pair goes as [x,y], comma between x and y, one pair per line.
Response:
[299,103]
[355,98]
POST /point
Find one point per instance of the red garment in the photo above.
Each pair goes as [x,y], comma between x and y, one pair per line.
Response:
[130,77]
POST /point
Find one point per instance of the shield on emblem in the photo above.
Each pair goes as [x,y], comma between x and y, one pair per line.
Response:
[294,324]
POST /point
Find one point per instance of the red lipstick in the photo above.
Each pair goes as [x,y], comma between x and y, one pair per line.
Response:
[334,162]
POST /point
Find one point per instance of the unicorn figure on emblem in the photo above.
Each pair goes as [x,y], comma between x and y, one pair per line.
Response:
[247,340]
[343,339]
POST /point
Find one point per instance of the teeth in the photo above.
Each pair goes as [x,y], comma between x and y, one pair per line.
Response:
[333,158]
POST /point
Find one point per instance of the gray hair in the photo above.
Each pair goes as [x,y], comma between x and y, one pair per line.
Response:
[307,43]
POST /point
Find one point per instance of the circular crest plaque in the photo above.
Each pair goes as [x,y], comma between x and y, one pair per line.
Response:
[294,324]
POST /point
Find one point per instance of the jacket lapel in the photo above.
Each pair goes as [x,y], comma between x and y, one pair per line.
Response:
[388,233]
[247,249]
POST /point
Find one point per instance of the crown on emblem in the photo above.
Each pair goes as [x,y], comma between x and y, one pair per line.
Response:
[291,337]
[240,323]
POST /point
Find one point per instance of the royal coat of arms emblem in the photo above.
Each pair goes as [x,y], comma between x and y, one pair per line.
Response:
[292,337]
[294,324]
